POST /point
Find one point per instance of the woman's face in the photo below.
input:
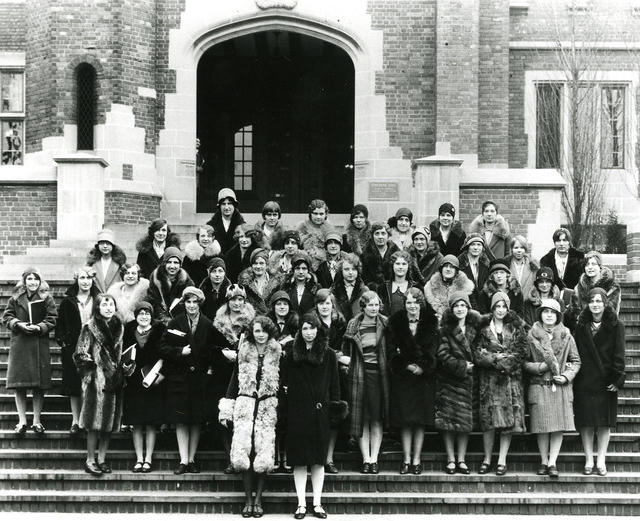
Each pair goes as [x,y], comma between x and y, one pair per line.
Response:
[131,276]
[403,224]
[544,286]
[359,221]
[411,305]
[420,242]
[319,215]
[105,247]
[308,332]
[500,310]
[259,334]
[445,219]
[259,266]
[236,304]
[460,309]
[448,271]
[281,308]
[548,317]
[192,305]
[349,272]
[325,307]
[499,277]
[489,213]
[333,247]
[518,250]
[562,244]
[301,272]
[475,248]
[243,240]
[161,234]
[271,218]
[85,281]
[144,318]
[107,308]
[400,267]
[32,283]
[291,246]
[205,238]
[596,305]
[372,308]
[592,268]
[172,266]
[380,237]
[216,275]
[226,208]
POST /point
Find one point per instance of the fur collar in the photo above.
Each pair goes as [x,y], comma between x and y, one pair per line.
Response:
[559,332]
[276,240]
[533,265]
[160,279]
[72,291]
[609,318]
[216,221]
[306,227]
[449,321]
[248,369]
[315,355]
[438,288]
[513,287]
[117,255]
[427,324]
[195,252]
[357,239]
[107,333]
[338,289]
[456,228]
[126,307]
[511,319]
[534,295]
[463,259]
[222,322]
[353,327]
[500,227]
[606,281]
[145,244]
[433,250]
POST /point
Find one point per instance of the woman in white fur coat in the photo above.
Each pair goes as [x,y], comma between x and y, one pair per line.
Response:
[252,405]
[444,283]
[199,252]
[130,292]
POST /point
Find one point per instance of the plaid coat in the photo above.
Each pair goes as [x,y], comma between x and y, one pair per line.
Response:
[352,346]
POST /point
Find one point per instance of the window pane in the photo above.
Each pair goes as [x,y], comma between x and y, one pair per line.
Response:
[247,168]
[247,153]
[12,91]
[237,139]
[237,156]
[248,139]
[548,117]
[612,127]
[247,183]
[237,183]
[237,168]
[12,139]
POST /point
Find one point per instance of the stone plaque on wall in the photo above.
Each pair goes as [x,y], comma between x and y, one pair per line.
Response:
[186,168]
[384,191]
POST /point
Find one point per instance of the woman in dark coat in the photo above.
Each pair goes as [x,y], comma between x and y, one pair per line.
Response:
[566,262]
[596,275]
[143,406]
[107,259]
[398,280]
[499,353]
[238,258]
[187,350]
[301,285]
[75,311]
[29,365]
[542,289]
[600,338]
[166,284]
[474,262]
[285,319]
[454,379]
[348,287]
[199,252]
[151,247]
[501,279]
[412,340]
[226,219]
[358,230]
[425,253]
[328,268]
[215,287]
[310,376]
[447,232]
[376,255]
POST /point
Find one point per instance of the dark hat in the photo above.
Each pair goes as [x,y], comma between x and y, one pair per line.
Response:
[498,264]
[299,258]
[170,252]
[544,274]
[457,296]
[404,212]
[601,292]
[360,208]
[500,296]
[449,259]
[291,234]
[473,237]
[333,236]
[447,208]
[216,262]
[143,305]
[279,295]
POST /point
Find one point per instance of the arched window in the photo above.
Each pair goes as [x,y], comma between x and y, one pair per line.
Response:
[85,105]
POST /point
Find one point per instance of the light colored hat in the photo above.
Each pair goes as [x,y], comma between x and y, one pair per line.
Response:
[499,296]
[450,259]
[227,193]
[259,252]
[550,303]
[333,236]
[106,235]
[459,296]
[421,230]
[235,290]
[192,291]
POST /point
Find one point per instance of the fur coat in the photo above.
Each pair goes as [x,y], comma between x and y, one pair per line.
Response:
[196,259]
[374,265]
[349,307]
[105,280]
[437,292]
[148,259]
[606,280]
[251,404]
[98,359]
[514,292]
[29,364]
[573,269]
[429,262]
[498,247]
[162,294]
[126,302]
[499,365]
[259,301]
[276,240]
[454,386]
[403,242]
[225,237]
[232,330]
[455,241]
[279,263]
[354,240]
[312,240]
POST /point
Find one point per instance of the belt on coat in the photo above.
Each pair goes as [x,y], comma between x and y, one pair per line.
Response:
[256,397]
[543,382]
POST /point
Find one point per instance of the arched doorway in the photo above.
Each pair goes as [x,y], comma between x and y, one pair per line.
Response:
[275,119]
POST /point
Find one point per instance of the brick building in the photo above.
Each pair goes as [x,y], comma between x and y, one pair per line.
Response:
[388,103]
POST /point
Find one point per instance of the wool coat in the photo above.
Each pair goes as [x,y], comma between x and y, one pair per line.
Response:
[143,406]
[98,358]
[258,300]
[374,264]
[572,272]
[162,293]
[352,347]
[551,407]
[532,304]
[213,300]
[323,273]
[454,385]
[437,291]
[197,258]
[498,247]
[500,383]
[29,364]
[311,379]
[290,325]
[603,363]
[251,403]
[126,301]
[148,259]
[483,270]
[307,300]
[312,241]
[429,262]
[349,307]
[455,241]
[386,297]
[412,397]
[102,280]
[354,240]
[528,272]
[236,261]
[67,332]
[225,237]
[514,292]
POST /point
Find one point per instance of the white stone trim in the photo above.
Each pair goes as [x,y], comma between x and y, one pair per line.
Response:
[554,45]
[12,59]
[512,177]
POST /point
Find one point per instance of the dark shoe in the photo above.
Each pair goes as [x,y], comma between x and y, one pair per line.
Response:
[92,468]
[330,468]
[417,469]
[319,512]
[587,471]
[366,468]
[74,430]
[104,467]
[301,511]
[247,511]
[288,469]
[450,467]
[137,467]
[20,429]
[462,468]
[126,428]
[258,511]
[405,468]
[192,468]
[501,470]
[484,468]
[543,470]
[229,469]
[553,472]
[601,471]
[374,468]
[146,467]
[38,428]
[180,469]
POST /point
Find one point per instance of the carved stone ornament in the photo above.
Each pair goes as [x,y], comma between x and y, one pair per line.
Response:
[276,4]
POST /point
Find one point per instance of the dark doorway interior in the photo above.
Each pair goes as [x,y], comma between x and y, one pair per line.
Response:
[275,121]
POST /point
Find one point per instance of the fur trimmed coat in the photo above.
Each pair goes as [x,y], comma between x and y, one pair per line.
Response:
[606,280]
[429,262]
[573,269]
[499,368]
[312,240]
[29,364]
[349,307]
[551,407]
[196,259]
[455,241]
[498,247]
[102,280]
[307,300]
[225,237]
[162,293]
[148,259]
[374,264]
[259,301]
[98,359]
[514,292]
[412,396]
[437,291]
[454,385]
[354,240]
[251,404]
[126,301]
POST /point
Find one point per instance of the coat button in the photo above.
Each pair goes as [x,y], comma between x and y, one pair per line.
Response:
[318,405]
[192,369]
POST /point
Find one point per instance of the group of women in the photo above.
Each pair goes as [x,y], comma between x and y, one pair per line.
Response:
[283,339]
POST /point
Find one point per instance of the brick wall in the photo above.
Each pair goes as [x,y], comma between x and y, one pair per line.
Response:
[12,22]
[125,208]
[28,215]
[409,72]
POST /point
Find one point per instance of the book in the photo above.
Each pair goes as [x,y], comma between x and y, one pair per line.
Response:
[129,354]
[37,311]
[151,374]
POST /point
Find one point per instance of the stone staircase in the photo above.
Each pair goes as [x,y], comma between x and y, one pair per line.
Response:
[45,474]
